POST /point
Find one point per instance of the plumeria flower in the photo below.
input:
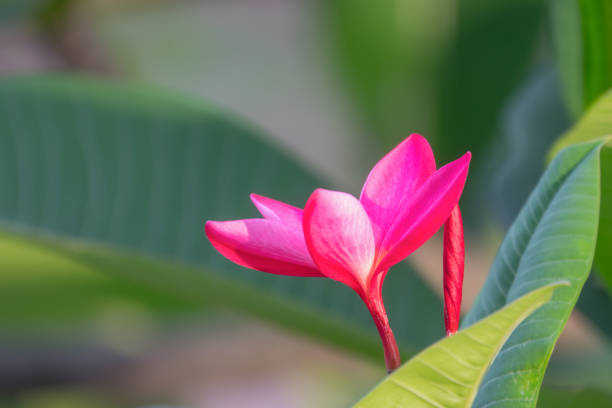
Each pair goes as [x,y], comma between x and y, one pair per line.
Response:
[404,201]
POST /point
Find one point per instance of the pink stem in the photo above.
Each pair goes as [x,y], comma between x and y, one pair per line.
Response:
[453,261]
[379,314]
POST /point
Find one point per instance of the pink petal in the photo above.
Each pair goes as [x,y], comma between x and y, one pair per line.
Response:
[339,237]
[277,210]
[394,179]
[264,245]
[425,212]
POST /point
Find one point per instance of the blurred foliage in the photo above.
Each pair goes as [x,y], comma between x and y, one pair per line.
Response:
[16,9]
[436,67]
[477,74]
[395,57]
[596,303]
[582,30]
[449,372]
[567,39]
[553,238]
[47,11]
[53,12]
[265,60]
[570,398]
[534,117]
[65,398]
[476,77]
[387,53]
[141,171]
[585,370]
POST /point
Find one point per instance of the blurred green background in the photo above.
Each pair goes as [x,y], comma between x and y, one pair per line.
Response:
[124,125]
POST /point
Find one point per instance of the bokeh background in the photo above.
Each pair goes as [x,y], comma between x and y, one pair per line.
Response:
[124,125]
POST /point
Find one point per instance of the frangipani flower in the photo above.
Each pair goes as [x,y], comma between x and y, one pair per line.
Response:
[404,201]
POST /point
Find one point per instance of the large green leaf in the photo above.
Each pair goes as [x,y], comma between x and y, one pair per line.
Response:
[139,172]
[534,118]
[595,124]
[448,373]
[53,287]
[553,238]
[583,37]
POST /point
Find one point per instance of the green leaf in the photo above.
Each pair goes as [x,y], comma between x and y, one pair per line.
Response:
[583,39]
[448,373]
[120,179]
[57,287]
[553,238]
[596,124]
[533,120]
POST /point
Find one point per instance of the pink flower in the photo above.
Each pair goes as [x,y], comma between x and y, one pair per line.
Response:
[404,201]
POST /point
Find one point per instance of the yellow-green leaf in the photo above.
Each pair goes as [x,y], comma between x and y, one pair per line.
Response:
[448,373]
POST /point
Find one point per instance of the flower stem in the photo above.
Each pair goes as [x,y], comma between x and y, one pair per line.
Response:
[377,310]
[453,263]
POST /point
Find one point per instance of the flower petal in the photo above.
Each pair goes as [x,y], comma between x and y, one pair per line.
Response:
[425,212]
[339,237]
[264,245]
[394,179]
[277,210]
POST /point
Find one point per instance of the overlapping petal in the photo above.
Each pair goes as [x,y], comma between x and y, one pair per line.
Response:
[277,210]
[424,213]
[339,237]
[262,244]
[394,179]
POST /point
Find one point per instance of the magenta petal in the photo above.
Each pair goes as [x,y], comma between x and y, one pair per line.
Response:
[425,212]
[339,237]
[277,210]
[395,179]
[264,245]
